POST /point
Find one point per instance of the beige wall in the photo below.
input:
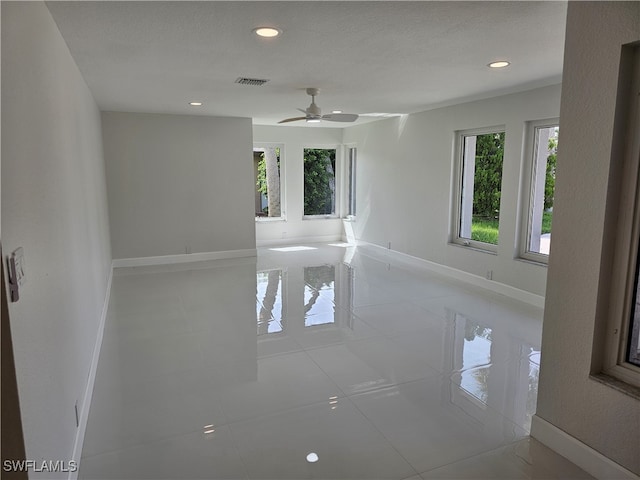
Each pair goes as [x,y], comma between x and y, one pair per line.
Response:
[593,413]
[405,168]
[54,205]
[178,184]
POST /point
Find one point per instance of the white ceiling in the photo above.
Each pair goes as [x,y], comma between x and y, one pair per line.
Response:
[366,57]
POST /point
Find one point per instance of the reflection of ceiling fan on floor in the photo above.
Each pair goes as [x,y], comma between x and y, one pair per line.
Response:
[313,114]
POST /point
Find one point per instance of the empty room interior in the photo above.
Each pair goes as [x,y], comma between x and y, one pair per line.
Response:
[320,239]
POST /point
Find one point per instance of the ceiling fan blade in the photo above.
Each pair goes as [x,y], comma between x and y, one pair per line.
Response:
[340,117]
[295,119]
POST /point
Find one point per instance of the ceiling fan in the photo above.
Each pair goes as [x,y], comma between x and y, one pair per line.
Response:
[313,114]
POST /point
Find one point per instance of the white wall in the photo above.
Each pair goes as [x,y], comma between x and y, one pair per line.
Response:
[593,413]
[404,181]
[295,228]
[54,205]
[178,184]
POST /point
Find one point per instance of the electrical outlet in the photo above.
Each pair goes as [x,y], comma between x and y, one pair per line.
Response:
[489,275]
[389,246]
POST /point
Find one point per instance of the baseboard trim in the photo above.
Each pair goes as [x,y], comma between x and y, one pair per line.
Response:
[590,460]
[183,258]
[299,240]
[502,288]
[88,393]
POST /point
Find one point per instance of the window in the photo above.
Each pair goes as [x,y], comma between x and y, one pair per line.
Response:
[266,169]
[479,155]
[622,359]
[542,138]
[319,181]
[351,211]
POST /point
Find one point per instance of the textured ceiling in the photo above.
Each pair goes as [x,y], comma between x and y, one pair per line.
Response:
[366,57]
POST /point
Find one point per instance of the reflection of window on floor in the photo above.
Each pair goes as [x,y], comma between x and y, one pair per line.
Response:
[476,354]
[532,392]
[544,147]
[319,181]
[319,295]
[479,163]
[269,305]
[266,168]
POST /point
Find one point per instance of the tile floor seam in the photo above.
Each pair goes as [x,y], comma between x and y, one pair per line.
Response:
[475,456]
[387,439]
[382,356]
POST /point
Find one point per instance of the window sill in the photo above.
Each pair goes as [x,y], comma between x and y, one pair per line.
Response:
[270,219]
[531,261]
[320,217]
[619,385]
[474,248]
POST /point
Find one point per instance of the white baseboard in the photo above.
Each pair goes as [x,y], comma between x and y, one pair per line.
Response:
[582,455]
[183,258]
[88,393]
[504,289]
[299,240]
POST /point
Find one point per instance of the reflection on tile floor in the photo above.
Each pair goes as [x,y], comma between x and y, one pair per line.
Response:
[238,369]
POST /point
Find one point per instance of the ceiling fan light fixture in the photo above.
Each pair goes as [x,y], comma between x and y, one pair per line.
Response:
[313,120]
[267,32]
[499,64]
[195,104]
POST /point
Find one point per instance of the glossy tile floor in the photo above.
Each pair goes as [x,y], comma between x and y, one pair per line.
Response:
[230,369]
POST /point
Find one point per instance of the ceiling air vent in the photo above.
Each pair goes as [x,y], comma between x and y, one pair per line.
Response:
[256,82]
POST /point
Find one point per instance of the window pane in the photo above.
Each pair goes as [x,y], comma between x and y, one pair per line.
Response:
[482,158]
[266,168]
[542,188]
[319,181]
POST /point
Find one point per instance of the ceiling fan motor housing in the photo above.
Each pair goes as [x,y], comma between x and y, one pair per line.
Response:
[313,110]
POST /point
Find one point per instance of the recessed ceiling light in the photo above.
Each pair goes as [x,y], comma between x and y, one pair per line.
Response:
[499,64]
[267,32]
[336,111]
[195,104]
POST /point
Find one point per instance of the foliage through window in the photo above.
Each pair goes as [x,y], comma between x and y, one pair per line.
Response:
[319,181]
[266,163]
[543,155]
[480,157]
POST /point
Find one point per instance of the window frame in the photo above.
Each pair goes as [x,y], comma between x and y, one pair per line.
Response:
[457,190]
[283,206]
[528,187]
[626,256]
[351,162]
[338,181]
